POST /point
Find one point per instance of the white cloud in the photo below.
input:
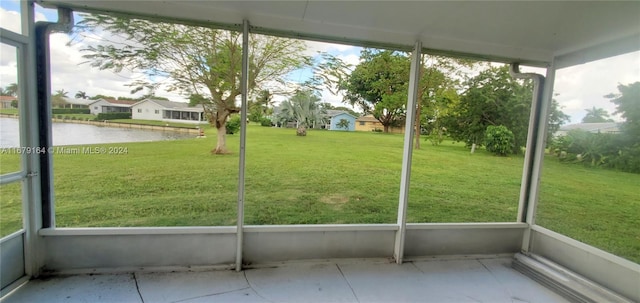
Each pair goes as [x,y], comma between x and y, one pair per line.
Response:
[313,47]
[584,86]
[10,20]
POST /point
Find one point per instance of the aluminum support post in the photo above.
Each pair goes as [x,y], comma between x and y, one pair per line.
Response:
[414,81]
[244,86]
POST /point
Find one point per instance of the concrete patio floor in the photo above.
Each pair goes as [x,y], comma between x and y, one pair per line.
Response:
[437,280]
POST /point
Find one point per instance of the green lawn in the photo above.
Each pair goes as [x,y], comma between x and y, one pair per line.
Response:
[329,177]
[9,111]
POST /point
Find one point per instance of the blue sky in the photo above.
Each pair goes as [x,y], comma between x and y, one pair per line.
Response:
[578,88]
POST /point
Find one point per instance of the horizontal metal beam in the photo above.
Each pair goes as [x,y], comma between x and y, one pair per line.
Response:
[12,177]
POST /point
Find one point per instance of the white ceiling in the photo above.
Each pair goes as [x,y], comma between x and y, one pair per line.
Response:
[532,32]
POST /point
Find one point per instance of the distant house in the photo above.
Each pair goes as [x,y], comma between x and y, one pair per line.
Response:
[370,123]
[335,117]
[169,111]
[76,103]
[110,106]
[5,101]
[604,128]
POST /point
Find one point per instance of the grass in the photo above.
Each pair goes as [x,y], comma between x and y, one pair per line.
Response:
[328,177]
[9,111]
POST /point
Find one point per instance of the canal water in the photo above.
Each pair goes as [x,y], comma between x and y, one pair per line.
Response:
[80,134]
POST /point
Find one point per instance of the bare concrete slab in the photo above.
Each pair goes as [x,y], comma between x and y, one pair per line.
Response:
[78,289]
[437,280]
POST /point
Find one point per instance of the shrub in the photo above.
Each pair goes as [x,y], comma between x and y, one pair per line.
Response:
[112,116]
[59,116]
[266,122]
[499,140]
[70,111]
[233,125]
[628,159]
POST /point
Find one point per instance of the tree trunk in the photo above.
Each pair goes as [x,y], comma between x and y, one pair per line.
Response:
[301,131]
[386,129]
[221,145]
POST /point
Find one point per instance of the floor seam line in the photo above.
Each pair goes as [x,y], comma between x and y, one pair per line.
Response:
[504,288]
[348,284]
[244,272]
[135,279]
[418,268]
[212,295]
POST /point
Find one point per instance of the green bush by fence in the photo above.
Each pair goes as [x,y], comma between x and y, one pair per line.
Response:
[63,111]
[113,116]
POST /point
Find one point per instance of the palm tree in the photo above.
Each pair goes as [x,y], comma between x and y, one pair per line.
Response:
[11,90]
[303,108]
[58,99]
[62,93]
[81,95]
[596,115]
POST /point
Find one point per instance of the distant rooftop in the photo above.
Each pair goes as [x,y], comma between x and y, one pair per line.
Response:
[604,127]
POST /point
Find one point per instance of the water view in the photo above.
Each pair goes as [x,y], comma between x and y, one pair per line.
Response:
[77,134]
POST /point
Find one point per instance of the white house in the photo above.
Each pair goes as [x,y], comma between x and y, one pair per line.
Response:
[604,127]
[76,103]
[110,106]
[169,111]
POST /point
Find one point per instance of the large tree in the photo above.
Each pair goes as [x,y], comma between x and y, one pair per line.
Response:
[494,98]
[596,115]
[627,103]
[196,60]
[439,81]
[378,84]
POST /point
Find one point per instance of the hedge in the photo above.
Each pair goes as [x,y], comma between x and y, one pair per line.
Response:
[113,116]
[64,111]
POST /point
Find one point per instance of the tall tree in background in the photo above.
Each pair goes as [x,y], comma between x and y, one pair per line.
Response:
[9,90]
[261,106]
[377,85]
[81,95]
[303,108]
[596,115]
[196,60]
[58,99]
[494,98]
[437,93]
[627,103]
[556,119]
[61,93]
